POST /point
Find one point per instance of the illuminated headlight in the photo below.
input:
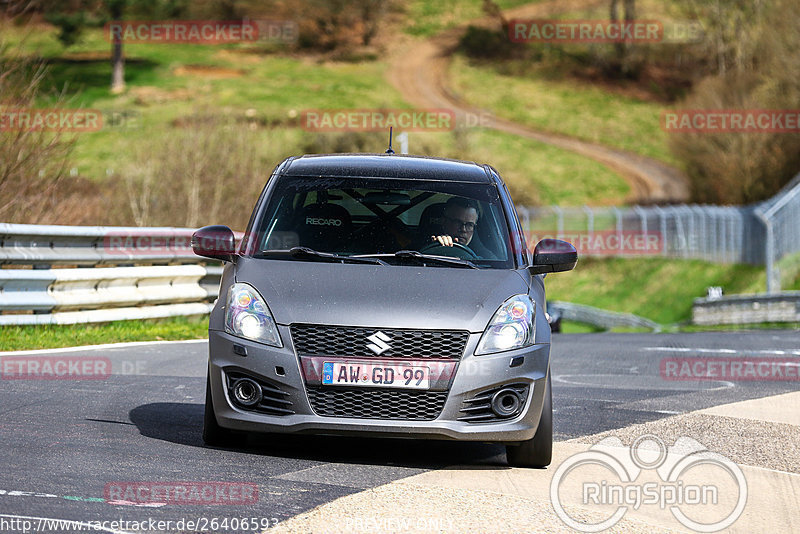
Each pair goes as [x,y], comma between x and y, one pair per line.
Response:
[512,326]
[247,316]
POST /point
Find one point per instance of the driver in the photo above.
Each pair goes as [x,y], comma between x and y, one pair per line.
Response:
[458,222]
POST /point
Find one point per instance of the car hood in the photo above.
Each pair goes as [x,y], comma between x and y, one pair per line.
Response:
[437,298]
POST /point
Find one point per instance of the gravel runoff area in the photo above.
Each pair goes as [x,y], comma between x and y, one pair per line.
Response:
[744,441]
[407,507]
[480,499]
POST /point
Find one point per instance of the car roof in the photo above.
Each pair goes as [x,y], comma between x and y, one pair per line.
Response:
[386,166]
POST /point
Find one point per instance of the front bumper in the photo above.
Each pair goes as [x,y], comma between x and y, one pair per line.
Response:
[281,367]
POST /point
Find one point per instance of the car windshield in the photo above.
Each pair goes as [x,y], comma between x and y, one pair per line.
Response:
[393,220]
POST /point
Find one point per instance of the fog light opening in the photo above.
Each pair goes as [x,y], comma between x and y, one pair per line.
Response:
[506,403]
[246,392]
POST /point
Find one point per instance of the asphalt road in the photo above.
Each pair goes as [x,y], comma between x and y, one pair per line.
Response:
[63,441]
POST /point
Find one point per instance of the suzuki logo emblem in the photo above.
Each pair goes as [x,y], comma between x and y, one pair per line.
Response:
[379,343]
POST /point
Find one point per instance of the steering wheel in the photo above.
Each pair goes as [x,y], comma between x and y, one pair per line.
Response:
[461,251]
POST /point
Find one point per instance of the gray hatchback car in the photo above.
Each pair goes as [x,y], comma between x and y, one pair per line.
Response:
[383,295]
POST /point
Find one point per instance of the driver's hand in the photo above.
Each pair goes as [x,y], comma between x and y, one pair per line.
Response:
[445,240]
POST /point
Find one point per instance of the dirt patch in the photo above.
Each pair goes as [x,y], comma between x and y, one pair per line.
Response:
[87,56]
[240,55]
[419,70]
[654,84]
[209,72]
[147,95]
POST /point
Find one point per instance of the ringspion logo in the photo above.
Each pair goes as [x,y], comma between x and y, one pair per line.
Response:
[702,490]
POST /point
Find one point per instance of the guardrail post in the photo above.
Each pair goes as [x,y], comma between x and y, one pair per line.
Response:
[662,217]
[618,215]
[589,221]
[773,285]
[559,221]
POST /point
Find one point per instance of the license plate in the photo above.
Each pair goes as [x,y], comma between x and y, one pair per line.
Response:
[386,375]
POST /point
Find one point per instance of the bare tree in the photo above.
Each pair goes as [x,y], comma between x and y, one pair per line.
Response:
[757,72]
[623,47]
[32,162]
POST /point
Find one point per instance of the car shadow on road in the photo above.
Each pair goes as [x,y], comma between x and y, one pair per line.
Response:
[182,423]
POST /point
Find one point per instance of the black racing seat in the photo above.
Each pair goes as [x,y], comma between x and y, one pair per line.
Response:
[430,222]
[324,227]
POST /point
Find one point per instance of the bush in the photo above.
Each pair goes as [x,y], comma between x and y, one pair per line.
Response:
[483,43]
[32,163]
[747,167]
[211,173]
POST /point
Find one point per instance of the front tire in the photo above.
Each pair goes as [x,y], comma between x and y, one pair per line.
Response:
[537,451]
[213,434]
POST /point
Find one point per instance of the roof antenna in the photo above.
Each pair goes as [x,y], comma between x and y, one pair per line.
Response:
[389,150]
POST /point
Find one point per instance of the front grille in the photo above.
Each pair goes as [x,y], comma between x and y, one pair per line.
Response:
[478,409]
[273,401]
[323,340]
[377,403]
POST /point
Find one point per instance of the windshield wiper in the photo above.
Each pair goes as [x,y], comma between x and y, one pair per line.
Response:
[422,258]
[298,252]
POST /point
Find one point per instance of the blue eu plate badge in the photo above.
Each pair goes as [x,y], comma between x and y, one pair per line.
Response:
[327,373]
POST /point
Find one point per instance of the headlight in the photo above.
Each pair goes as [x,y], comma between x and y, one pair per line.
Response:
[512,326]
[247,316]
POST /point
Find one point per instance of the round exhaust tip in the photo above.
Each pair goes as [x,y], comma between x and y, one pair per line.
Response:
[506,403]
[246,392]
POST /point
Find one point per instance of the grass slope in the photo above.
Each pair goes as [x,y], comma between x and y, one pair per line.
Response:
[562,106]
[169,83]
[655,288]
[52,336]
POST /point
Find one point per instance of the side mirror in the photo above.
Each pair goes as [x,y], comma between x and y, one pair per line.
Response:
[553,256]
[216,242]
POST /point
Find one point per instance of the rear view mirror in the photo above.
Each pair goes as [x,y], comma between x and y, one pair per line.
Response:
[216,242]
[553,256]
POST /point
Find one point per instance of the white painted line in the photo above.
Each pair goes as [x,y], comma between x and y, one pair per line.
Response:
[99,347]
[649,381]
[51,521]
[775,352]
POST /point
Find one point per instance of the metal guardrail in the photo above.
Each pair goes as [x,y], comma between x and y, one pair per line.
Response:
[45,245]
[77,274]
[748,309]
[597,317]
[759,234]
